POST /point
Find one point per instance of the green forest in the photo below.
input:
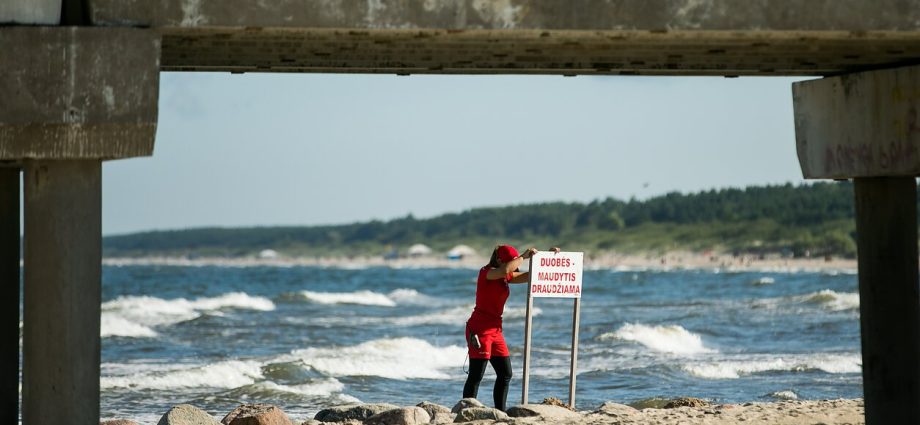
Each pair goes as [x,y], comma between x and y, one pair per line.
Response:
[792,220]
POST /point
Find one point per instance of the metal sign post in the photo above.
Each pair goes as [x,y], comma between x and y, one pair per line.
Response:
[527,326]
[553,275]
[573,370]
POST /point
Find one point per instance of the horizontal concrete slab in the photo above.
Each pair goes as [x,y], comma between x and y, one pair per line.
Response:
[649,37]
[78,92]
[859,125]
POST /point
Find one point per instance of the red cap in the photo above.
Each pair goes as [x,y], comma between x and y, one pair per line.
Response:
[506,253]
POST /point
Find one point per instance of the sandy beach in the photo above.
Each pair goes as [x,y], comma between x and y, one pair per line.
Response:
[787,412]
[609,260]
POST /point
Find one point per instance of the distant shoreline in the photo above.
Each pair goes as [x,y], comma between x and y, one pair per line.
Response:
[607,261]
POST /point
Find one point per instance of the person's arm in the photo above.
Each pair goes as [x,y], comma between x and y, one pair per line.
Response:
[508,268]
[505,269]
[524,277]
[520,277]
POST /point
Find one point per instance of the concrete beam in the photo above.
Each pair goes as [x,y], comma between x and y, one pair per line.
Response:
[583,15]
[9,293]
[859,125]
[889,294]
[30,12]
[611,37]
[78,92]
[63,292]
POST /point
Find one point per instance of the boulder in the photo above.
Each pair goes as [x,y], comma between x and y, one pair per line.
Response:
[465,404]
[311,422]
[186,414]
[686,402]
[352,411]
[402,416]
[442,418]
[479,413]
[118,422]
[256,414]
[432,408]
[616,410]
[549,413]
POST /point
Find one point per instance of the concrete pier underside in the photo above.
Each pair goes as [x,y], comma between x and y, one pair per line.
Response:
[74,96]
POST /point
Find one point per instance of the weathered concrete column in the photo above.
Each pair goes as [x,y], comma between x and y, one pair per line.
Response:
[9,294]
[889,293]
[72,97]
[63,275]
[866,126]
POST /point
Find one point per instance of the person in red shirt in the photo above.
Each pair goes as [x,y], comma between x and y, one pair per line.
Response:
[484,328]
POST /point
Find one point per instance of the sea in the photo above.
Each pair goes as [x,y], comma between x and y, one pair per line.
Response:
[309,337]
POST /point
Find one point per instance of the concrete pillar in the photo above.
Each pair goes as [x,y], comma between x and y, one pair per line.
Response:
[866,126]
[889,291]
[9,295]
[63,272]
[72,98]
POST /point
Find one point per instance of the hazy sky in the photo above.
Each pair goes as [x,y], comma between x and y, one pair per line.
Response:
[271,149]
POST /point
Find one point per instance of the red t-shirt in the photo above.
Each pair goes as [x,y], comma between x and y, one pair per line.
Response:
[490,300]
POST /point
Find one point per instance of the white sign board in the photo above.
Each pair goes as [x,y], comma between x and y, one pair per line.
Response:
[556,275]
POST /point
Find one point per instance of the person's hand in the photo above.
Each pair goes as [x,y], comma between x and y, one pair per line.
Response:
[555,249]
[529,253]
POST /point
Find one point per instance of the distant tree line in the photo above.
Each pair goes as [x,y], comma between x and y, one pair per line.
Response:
[810,219]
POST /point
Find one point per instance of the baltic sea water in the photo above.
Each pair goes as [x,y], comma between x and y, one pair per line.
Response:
[310,337]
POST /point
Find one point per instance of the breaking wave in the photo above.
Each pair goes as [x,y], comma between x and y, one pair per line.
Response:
[365,297]
[394,358]
[136,316]
[733,369]
[672,339]
[227,374]
[834,301]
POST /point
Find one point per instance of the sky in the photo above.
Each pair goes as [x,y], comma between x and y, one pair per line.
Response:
[308,149]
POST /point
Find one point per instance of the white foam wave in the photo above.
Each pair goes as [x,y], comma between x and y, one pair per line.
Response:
[765,280]
[519,312]
[227,374]
[365,297]
[672,339]
[733,369]
[784,395]
[137,315]
[455,315]
[834,301]
[323,388]
[115,325]
[394,358]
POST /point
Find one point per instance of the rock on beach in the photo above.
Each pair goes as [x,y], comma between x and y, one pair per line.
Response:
[347,412]
[480,413]
[466,403]
[256,414]
[186,414]
[433,408]
[546,412]
[402,416]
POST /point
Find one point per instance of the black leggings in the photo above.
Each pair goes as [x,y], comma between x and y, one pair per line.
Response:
[502,366]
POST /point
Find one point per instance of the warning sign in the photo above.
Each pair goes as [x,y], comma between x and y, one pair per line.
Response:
[556,275]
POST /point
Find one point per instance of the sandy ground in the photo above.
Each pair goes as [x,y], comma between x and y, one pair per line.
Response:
[787,412]
[670,261]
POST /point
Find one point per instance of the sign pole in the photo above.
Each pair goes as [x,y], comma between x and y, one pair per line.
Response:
[527,325]
[574,369]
